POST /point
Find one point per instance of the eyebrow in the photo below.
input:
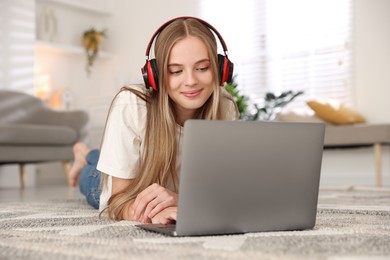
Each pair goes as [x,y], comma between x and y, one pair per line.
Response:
[177,64]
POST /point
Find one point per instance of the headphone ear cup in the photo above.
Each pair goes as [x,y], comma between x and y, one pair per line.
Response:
[154,74]
[150,74]
[225,69]
[220,69]
[231,68]
[145,76]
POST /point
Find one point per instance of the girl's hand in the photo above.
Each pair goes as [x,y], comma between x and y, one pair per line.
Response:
[165,216]
[151,201]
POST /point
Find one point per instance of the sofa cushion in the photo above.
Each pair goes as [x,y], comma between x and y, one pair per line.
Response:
[26,134]
[357,135]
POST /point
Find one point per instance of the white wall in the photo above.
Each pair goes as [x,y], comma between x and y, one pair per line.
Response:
[372,49]
[132,25]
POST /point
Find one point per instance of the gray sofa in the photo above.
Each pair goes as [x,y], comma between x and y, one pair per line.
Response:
[360,135]
[31,132]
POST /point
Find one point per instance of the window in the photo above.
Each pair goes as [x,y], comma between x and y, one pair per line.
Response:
[280,45]
[17,39]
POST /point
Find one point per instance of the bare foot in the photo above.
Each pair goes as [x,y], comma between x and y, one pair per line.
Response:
[80,152]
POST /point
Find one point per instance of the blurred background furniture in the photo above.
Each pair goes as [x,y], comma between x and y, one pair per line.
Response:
[360,135]
[31,132]
[349,134]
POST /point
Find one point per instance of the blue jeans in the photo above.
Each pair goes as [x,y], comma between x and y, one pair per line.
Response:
[90,179]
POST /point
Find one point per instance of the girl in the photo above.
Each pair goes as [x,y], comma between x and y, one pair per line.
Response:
[141,148]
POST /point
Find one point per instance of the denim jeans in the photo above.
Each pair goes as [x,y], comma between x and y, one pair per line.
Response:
[90,179]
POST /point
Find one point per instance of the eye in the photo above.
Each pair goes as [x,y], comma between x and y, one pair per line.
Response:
[175,72]
[203,68]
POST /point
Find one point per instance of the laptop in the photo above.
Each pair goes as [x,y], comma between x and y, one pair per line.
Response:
[242,176]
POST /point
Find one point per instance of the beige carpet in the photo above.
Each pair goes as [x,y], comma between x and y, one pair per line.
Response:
[351,223]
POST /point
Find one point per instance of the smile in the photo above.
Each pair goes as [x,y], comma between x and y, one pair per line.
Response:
[192,94]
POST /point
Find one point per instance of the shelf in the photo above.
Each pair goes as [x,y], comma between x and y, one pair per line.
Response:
[80,6]
[60,48]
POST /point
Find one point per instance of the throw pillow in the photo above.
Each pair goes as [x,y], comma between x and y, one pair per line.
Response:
[335,114]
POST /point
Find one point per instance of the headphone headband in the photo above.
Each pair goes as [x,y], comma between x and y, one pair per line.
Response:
[150,70]
[162,27]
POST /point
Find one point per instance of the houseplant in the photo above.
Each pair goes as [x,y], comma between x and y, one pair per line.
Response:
[268,111]
[91,42]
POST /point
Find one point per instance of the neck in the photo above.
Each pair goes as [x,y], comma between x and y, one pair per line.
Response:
[183,116]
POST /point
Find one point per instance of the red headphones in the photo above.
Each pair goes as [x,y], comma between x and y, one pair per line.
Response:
[150,71]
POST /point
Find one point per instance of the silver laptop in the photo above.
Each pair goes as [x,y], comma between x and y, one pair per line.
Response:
[239,177]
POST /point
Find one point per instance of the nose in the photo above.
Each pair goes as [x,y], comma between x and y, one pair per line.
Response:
[190,78]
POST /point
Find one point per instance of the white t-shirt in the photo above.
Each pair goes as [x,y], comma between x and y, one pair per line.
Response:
[122,144]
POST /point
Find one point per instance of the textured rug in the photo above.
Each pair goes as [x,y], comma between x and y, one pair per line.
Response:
[352,223]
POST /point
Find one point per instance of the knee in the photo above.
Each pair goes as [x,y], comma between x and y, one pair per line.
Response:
[93,198]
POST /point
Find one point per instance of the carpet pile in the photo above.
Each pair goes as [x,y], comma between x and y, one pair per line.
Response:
[352,222]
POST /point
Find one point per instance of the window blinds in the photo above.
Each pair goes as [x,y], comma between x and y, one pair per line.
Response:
[17,39]
[280,45]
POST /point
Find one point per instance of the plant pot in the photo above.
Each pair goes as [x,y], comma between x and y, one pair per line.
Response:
[91,41]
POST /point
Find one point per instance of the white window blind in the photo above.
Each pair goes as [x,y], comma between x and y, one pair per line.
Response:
[17,39]
[280,45]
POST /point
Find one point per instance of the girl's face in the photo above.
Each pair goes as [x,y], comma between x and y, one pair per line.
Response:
[189,76]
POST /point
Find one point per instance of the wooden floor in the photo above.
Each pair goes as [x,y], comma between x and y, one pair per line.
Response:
[41,193]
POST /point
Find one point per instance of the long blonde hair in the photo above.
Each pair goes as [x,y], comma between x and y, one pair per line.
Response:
[158,161]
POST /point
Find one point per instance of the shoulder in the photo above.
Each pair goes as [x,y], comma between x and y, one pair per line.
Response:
[136,94]
[130,107]
[228,105]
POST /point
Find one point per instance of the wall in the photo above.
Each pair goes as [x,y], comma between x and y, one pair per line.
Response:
[133,23]
[372,49]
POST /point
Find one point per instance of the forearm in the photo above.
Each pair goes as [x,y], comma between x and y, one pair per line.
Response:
[122,210]
[126,209]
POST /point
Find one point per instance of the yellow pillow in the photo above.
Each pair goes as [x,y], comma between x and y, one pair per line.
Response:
[335,114]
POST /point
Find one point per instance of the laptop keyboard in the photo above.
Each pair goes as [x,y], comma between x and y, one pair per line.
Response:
[169,227]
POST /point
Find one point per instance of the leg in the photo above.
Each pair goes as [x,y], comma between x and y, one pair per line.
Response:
[22,173]
[90,179]
[80,152]
[378,164]
[67,166]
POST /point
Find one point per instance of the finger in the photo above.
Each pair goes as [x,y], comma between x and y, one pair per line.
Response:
[144,201]
[148,220]
[166,216]
[170,218]
[169,201]
[164,221]
[164,200]
[160,207]
[141,195]
[151,205]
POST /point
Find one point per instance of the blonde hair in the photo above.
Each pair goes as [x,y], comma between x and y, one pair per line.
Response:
[158,161]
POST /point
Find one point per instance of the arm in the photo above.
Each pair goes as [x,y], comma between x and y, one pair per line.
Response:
[151,201]
[118,185]
[155,203]
[120,156]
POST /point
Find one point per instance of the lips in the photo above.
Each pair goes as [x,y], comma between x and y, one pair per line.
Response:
[192,94]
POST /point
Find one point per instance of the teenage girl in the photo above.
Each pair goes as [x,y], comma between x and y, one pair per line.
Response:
[136,175]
